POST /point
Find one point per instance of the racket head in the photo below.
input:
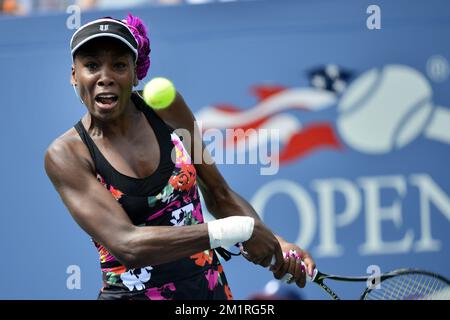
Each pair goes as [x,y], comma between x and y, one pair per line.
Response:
[409,284]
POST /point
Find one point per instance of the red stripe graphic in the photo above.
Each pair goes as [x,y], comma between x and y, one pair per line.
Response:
[265,91]
[319,135]
[228,108]
[234,138]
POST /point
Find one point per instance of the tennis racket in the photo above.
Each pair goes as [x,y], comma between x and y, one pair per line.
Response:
[400,284]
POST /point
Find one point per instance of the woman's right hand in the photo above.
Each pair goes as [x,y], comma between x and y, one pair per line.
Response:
[262,246]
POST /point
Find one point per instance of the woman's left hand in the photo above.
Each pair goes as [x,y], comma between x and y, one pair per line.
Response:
[293,255]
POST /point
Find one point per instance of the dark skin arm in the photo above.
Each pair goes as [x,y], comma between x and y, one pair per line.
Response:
[102,217]
[222,201]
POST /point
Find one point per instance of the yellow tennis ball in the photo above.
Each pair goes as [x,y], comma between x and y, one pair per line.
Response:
[159,93]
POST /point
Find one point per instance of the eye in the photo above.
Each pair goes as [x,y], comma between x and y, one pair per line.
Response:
[91,66]
[120,65]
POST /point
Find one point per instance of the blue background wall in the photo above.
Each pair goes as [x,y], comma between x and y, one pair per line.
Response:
[214,54]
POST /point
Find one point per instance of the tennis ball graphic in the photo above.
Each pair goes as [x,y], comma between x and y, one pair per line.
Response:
[384,109]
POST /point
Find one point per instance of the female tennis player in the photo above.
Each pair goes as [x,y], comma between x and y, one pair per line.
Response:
[141,208]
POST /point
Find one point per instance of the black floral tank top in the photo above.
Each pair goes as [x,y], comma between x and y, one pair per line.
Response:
[169,197]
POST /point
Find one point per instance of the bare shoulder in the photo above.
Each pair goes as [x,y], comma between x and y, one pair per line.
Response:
[67,155]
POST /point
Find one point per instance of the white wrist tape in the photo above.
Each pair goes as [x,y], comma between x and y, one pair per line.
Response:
[229,231]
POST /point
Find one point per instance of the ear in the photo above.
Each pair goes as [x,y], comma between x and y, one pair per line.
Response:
[135,80]
[73,79]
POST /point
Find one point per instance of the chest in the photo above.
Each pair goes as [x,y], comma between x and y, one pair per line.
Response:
[136,156]
[176,201]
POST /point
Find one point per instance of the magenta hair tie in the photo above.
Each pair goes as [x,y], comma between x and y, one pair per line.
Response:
[139,31]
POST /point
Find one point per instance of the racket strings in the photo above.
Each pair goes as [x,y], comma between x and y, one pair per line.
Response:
[410,286]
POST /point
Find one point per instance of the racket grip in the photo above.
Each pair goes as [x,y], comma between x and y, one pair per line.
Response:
[288,276]
[308,277]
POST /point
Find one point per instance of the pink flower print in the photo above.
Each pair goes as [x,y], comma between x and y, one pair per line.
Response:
[104,254]
[197,213]
[190,194]
[162,293]
[212,277]
[181,155]
[169,208]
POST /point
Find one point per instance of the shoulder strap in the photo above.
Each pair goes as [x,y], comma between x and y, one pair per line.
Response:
[87,140]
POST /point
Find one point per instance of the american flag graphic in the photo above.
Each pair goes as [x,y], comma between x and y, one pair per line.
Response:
[271,112]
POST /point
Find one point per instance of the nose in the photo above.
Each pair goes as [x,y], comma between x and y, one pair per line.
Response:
[105,79]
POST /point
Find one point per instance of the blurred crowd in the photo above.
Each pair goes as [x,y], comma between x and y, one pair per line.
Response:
[24,7]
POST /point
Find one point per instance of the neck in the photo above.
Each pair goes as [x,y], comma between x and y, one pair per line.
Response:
[120,126]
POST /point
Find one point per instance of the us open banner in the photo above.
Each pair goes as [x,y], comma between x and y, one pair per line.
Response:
[332,118]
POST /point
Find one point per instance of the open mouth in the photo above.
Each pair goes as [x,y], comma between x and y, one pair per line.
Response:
[106,100]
